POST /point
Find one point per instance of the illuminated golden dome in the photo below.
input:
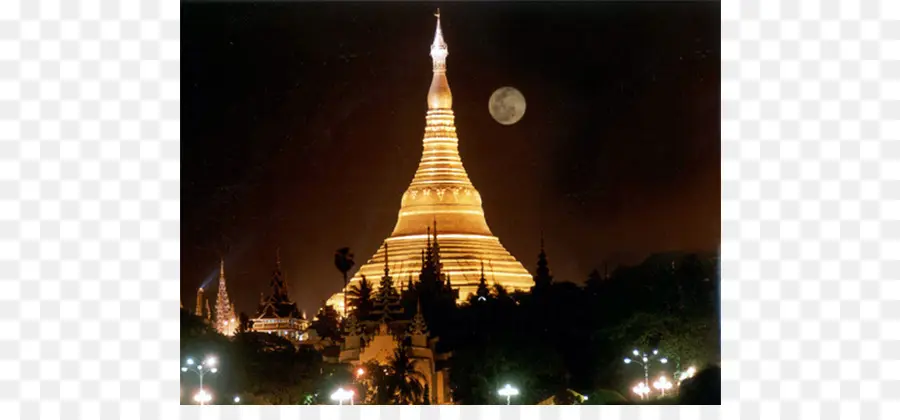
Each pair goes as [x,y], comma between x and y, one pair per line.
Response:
[442,193]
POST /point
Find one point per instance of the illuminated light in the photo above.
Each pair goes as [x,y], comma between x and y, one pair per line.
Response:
[190,361]
[662,384]
[508,391]
[664,360]
[627,360]
[360,372]
[689,373]
[641,389]
[202,397]
[342,395]
[413,213]
[635,352]
[443,236]
[237,399]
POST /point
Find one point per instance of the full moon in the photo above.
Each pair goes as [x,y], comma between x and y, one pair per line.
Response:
[507,105]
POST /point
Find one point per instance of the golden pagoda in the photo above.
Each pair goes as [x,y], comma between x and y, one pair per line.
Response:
[442,195]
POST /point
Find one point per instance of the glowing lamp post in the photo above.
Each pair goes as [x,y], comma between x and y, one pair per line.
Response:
[202,397]
[644,360]
[508,391]
[662,384]
[360,372]
[641,389]
[342,395]
[201,369]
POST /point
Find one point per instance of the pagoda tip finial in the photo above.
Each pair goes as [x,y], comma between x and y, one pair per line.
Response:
[385,258]
[437,14]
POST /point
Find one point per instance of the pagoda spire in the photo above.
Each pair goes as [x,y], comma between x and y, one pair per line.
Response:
[441,189]
[436,251]
[482,292]
[439,96]
[386,269]
[439,50]
[543,278]
[225,317]
[418,327]
[279,282]
[199,310]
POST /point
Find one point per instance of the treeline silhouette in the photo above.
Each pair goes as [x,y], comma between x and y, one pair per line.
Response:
[558,336]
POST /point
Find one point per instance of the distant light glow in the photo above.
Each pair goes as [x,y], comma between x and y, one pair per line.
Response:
[662,384]
[641,389]
[342,395]
[202,397]
[508,391]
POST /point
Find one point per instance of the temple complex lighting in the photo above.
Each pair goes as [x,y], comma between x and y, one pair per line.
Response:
[441,194]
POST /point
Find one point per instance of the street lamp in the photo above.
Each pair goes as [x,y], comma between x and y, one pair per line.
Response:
[202,397]
[508,391]
[644,361]
[641,389]
[237,399]
[662,384]
[360,372]
[342,395]
[201,369]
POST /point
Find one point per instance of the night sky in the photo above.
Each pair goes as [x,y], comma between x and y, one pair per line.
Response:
[302,127]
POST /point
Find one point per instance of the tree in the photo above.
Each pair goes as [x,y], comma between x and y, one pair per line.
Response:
[343,261]
[360,299]
[245,325]
[326,323]
[405,381]
[704,388]
[377,383]
[273,372]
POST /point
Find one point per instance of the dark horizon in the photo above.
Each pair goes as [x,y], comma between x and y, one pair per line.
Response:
[303,124]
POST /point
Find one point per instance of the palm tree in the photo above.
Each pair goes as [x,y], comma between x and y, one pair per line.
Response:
[343,261]
[361,298]
[406,381]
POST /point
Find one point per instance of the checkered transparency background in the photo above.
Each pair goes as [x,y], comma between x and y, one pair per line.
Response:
[89,217]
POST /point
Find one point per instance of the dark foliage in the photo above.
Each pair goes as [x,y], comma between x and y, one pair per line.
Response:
[326,323]
[574,337]
[360,299]
[565,337]
[704,388]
